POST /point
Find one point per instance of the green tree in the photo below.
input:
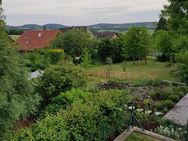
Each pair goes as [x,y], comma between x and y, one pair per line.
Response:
[117,47]
[137,41]
[60,78]
[16,91]
[86,58]
[75,41]
[162,24]
[182,69]
[165,46]
[58,42]
[177,16]
[105,49]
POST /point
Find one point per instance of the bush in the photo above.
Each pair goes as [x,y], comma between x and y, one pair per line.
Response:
[41,59]
[97,118]
[60,78]
[48,129]
[168,132]
[65,100]
[165,105]
[182,69]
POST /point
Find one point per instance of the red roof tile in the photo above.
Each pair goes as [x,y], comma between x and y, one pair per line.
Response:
[31,40]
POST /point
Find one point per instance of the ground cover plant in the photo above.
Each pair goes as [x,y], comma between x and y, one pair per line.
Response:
[138,137]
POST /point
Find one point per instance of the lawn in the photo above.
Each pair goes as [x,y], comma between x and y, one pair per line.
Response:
[140,137]
[151,70]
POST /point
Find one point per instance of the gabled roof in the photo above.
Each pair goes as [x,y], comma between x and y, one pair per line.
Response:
[31,40]
[106,34]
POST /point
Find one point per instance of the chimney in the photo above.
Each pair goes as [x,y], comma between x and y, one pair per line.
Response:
[44,28]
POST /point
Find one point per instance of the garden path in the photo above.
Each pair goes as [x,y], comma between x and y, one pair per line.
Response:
[179,114]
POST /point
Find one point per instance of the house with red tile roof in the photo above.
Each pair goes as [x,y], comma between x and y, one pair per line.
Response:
[38,39]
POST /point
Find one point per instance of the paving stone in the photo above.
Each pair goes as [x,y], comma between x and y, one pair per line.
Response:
[179,114]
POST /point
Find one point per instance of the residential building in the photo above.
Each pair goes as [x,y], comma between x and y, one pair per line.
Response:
[38,39]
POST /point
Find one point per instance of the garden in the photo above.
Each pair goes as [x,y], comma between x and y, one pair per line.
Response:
[88,84]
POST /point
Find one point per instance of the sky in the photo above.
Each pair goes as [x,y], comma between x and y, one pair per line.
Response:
[81,12]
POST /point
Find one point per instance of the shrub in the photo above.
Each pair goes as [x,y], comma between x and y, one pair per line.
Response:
[166,92]
[167,131]
[60,78]
[182,69]
[86,58]
[65,100]
[42,58]
[97,118]
[165,105]
[49,128]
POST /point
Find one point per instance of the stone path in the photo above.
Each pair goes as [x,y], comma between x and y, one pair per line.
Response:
[179,114]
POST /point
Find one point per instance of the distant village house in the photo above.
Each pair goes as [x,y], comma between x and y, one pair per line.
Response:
[31,40]
[38,39]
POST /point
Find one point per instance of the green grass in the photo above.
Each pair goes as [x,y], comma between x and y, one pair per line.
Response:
[152,70]
[140,137]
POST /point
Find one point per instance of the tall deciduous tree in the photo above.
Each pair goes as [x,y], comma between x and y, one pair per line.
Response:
[177,11]
[16,97]
[137,41]
[164,45]
[74,42]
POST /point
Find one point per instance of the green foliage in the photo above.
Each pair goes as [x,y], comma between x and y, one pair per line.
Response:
[162,24]
[117,50]
[182,69]
[97,118]
[48,129]
[168,132]
[178,17]
[165,105]
[58,42]
[60,78]
[86,58]
[164,45]
[75,41]
[15,32]
[181,44]
[16,91]
[105,49]
[41,59]
[137,41]
[65,100]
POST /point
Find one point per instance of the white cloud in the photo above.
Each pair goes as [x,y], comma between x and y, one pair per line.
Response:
[76,12]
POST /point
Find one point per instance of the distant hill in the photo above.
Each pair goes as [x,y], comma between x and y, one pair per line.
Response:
[122,27]
[98,27]
[35,27]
